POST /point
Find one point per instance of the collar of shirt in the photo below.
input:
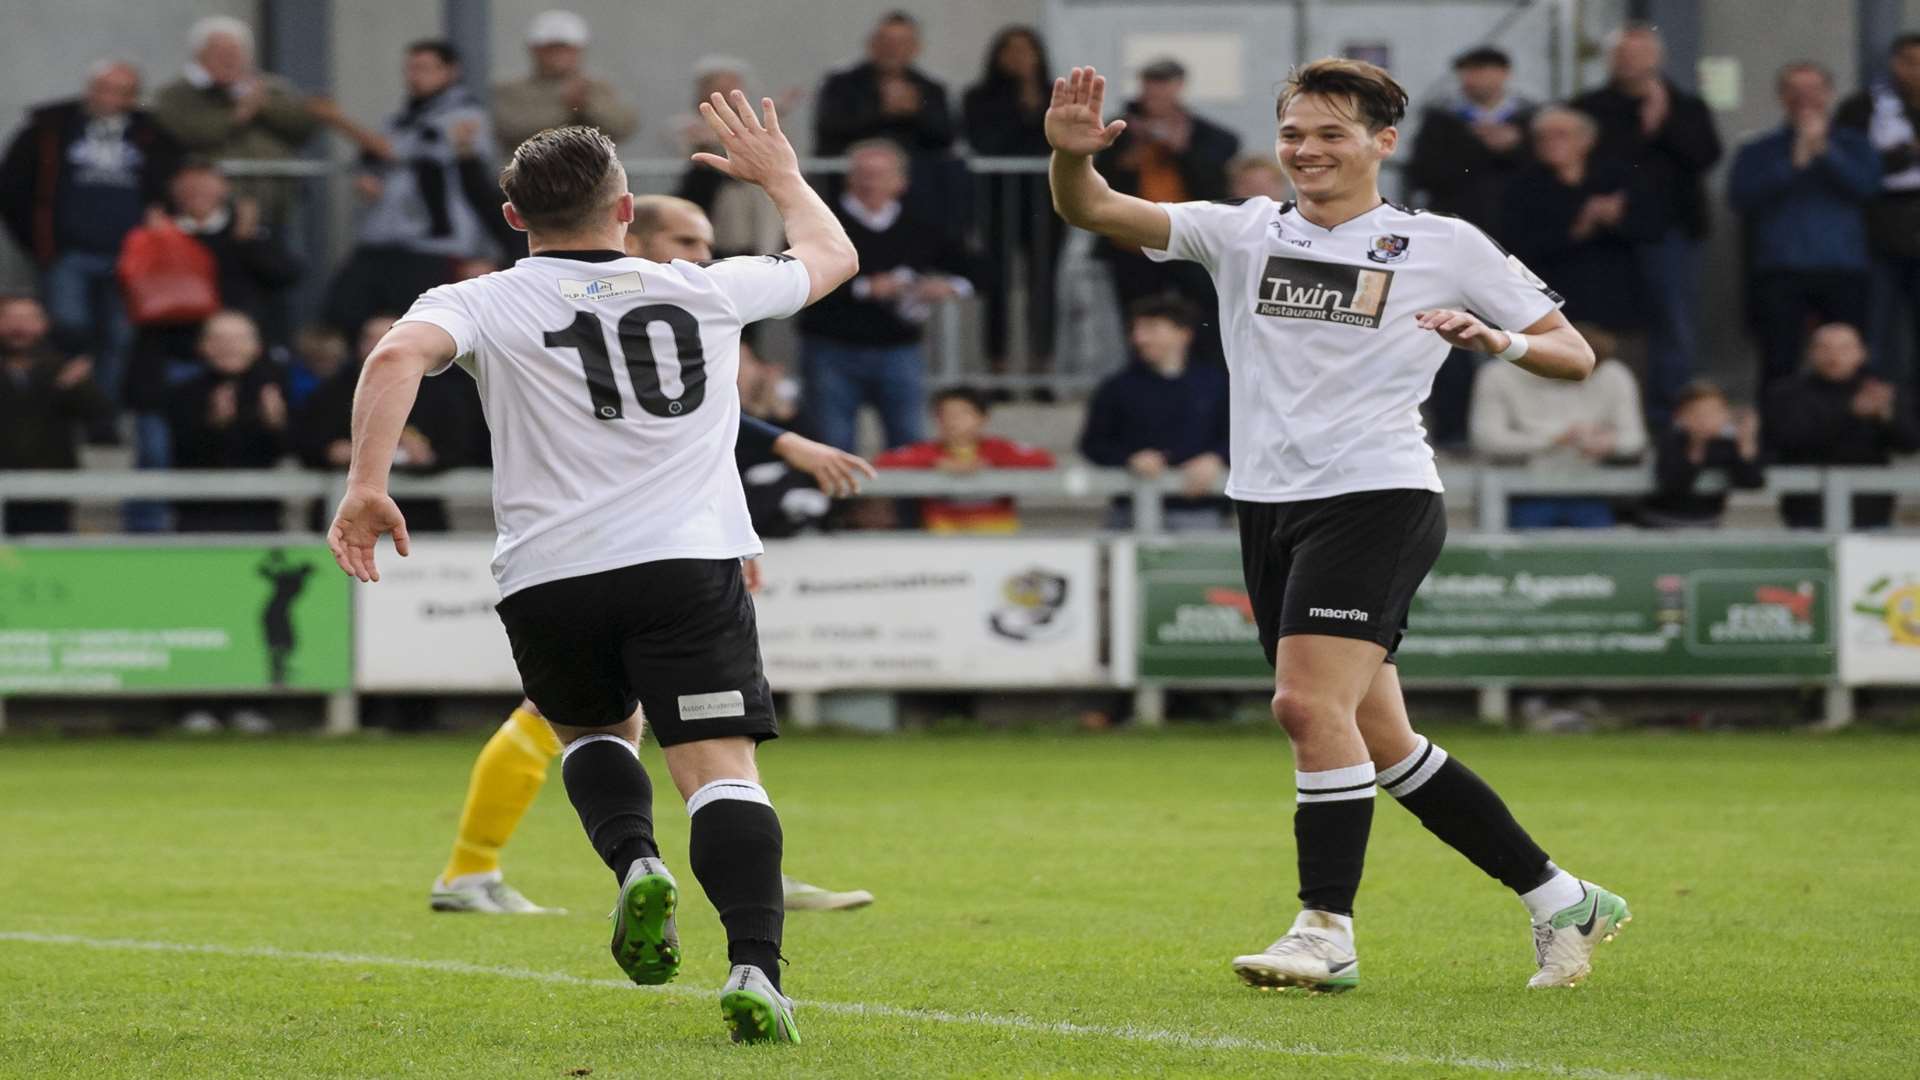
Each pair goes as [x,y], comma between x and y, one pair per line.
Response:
[877,220]
[214,223]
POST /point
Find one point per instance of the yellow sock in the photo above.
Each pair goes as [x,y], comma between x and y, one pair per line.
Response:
[506,777]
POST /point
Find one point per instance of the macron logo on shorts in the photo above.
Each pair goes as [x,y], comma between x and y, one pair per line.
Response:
[712,706]
[1344,614]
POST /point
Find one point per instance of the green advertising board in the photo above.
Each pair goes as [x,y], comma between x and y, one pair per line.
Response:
[1542,609]
[112,618]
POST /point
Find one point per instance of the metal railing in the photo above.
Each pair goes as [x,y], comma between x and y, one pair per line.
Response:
[1486,489]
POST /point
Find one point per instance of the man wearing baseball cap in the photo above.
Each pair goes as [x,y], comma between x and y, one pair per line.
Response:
[558,92]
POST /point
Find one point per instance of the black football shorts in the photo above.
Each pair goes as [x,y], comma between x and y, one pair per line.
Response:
[677,637]
[1346,565]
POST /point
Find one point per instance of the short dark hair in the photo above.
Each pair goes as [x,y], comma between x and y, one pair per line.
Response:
[971,395]
[1378,101]
[560,177]
[1482,56]
[1904,41]
[1170,306]
[897,17]
[443,49]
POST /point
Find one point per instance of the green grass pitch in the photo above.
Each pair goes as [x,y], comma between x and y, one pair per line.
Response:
[1048,906]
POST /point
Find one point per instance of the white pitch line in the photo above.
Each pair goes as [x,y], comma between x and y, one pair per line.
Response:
[1024,1024]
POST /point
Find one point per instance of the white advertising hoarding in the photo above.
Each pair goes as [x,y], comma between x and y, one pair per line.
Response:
[1879,635]
[921,612]
[841,612]
[428,623]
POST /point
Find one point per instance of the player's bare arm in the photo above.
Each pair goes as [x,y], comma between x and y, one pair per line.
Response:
[838,473]
[1080,194]
[760,154]
[1554,349]
[389,382]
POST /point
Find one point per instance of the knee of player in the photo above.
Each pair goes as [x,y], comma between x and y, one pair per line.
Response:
[1301,710]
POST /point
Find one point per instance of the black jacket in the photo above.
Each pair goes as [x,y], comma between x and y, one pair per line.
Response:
[1893,219]
[1458,172]
[1810,421]
[36,166]
[849,111]
[1674,502]
[998,124]
[39,421]
[1673,161]
[912,243]
[1599,276]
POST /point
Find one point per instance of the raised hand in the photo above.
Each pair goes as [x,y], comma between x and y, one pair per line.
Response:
[1462,330]
[756,153]
[1073,123]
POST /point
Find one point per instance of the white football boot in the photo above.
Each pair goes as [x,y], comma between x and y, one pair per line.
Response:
[754,1011]
[1563,945]
[484,894]
[800,896]
[1317,954]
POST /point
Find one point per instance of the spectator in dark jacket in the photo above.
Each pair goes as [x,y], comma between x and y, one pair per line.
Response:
[433,201]
[77,177]
[885,97]
[862,343]
[1167,154]
[1575,218]
[44,399]
[233,415]
[1803,190]
[1708,436]
[1667,138]
[1835,413]
[1471,146]
[1004,114]
[1162,413]
[1888,114]
[444,423]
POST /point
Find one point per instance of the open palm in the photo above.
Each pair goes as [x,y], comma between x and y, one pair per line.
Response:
[1073,122]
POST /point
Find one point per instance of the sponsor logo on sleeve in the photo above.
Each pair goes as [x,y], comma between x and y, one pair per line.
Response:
[1322,291]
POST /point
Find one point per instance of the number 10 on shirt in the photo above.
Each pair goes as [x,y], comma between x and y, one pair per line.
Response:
[587,336]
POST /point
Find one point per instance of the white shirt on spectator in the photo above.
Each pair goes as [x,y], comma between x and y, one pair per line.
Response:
[1517,415]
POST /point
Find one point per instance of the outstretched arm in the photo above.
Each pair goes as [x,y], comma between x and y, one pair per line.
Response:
[760,154]
[1080,194]
[1554,349]
[389,382]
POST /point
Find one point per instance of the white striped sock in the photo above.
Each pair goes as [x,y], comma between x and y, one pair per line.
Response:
[1405,776]
[578,743]
[742,790]
[1334,785]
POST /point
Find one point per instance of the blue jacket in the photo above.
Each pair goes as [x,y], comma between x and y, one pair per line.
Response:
[1811,218]
[1140,409]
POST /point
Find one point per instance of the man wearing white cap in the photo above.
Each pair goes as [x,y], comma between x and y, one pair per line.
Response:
[558,92]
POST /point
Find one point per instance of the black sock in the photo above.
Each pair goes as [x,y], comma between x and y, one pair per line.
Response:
[614,797]
[1330,827]
[1459,808]
[734,849]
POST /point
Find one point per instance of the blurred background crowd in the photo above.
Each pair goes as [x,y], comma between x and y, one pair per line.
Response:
[176,315]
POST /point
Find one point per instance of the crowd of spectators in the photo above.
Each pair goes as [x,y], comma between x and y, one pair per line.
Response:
[163,319]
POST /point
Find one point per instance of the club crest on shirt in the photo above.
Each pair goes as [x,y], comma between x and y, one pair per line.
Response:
[1322,291]
[602,288]
[1388,248]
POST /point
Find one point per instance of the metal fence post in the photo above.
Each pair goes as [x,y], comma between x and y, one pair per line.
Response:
[343,713]
[1839,707]
[1150,705]
[1149,510]
[1836,501]
[1496,704]
[1490,501]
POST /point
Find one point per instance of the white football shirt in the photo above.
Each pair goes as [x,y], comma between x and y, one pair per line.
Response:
[608,384]
[1326,368]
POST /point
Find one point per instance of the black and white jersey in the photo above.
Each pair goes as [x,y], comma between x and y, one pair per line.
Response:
[1326,366]
[608,383]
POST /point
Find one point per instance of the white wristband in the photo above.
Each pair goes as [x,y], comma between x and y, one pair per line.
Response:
[1516,347]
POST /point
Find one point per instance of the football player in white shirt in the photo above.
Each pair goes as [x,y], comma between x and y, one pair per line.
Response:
[512,766]
[621,517]
[1336,310]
